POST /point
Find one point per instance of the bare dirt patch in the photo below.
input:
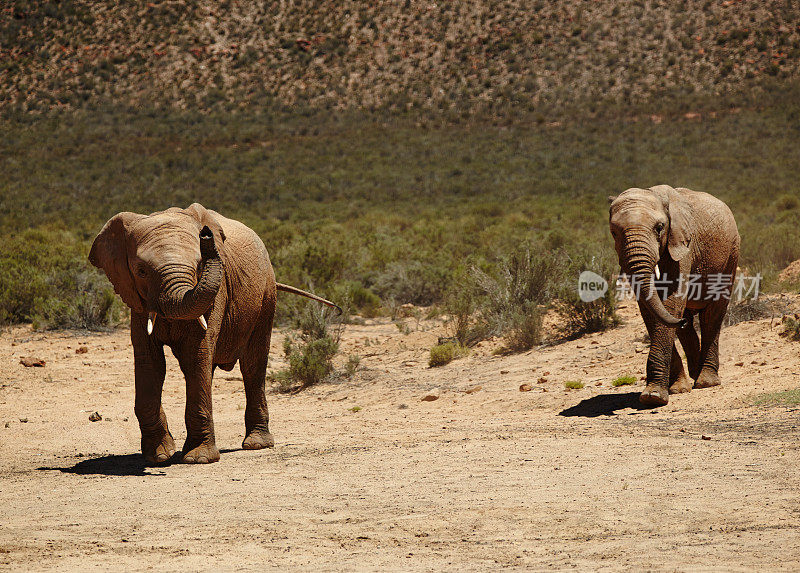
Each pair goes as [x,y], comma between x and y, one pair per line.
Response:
[366,475]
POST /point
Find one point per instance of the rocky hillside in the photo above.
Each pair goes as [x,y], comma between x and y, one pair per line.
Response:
[440,55]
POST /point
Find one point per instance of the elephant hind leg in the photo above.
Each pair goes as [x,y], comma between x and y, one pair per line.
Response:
[679,382]
[691,345]
[710,324]
[253,364]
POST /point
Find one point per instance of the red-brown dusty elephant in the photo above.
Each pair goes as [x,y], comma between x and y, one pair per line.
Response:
[202,285]
[689,242]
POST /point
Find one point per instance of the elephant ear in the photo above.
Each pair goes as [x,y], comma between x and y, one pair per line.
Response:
[205,218]
[110,253]
[681,220]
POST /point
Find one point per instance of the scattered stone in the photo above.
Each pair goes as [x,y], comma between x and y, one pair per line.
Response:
[106,419]
[598,383]
[705,437]
[8,424]
[403,406]
[504,372]
[24,420]
[82,350]
[542,380]
[430,397]
[739,364]
[473,389]
[525,388]
[546,373]
[124,419]
[595,342]
[29,361]
[754,362]
[95,417]
[638,348]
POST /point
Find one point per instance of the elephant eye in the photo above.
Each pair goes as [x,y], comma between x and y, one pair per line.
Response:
[141,271]
[659,227]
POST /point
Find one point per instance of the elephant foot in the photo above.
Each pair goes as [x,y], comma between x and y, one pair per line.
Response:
[681,385]
[159,450]
[258,440]
[653,395]
[707,379]
[205,453]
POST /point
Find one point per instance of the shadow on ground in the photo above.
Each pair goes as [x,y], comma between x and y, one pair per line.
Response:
[605,405]
[126,465]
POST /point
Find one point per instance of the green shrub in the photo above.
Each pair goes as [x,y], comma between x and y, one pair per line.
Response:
[310,358]
[791,327]
[512,293]
[351,366]
[442,354]
[581,317]
[45,279]
[624,381]
[573,384]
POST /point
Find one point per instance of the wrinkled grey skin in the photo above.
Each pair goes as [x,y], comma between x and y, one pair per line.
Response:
[160,264]
[684,233]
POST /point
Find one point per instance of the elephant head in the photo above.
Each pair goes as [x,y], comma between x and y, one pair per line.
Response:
[647,225]
[163,264]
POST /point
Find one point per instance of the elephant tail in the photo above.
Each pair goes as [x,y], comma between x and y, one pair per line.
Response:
[295,290]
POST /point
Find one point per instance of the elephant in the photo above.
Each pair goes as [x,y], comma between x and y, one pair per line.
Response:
[203,285]
[688,242]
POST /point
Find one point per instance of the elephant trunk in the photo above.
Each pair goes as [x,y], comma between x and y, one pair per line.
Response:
[639,262]
[179,299]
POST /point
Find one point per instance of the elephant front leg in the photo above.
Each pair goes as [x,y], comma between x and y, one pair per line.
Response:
[158,446]
[200,446]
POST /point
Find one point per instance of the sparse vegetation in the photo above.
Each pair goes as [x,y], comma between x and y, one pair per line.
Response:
[573,384]
[791,327]
[623,381]
[445,353]
[786,398]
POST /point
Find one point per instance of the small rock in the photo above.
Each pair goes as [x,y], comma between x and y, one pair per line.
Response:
[24,420]
[29,361]
[107,419]
[739,364]
[504,372]
[126,419]
[430,398]
[545,390]
[754,362]
[473,389]
[598,383]
[542,380]
[95,417]
[705,437]
[8,424]
[546,373]
[595,342]
[525,388]
[403,406]
[82,350]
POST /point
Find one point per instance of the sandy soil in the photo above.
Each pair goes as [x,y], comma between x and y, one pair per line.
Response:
[484,477]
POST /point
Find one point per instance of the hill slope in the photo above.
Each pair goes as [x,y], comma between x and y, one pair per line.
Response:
[497,55]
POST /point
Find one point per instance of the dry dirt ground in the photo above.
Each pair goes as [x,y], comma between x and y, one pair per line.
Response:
[484,477]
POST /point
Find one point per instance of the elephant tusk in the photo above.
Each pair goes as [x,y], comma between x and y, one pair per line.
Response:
[202,320]
[658,273]
[151,320]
